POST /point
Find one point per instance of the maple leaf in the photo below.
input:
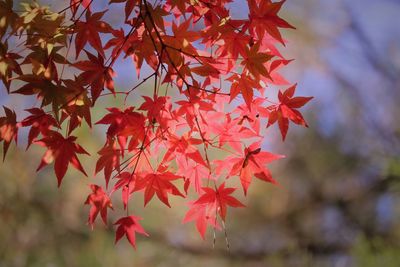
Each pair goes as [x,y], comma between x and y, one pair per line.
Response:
[158,109]
[264,18]
[230,131]
[276,77]
[74,4]
[192,108]
[142,52]
[193,174]
[7,16]
[99,202]
[208,71]
[8,129]
[206,207]
[158,183]
[251,117]
[157,15]
[182,39]
[96,74]
[89,32]
[243,84]
[40,123]
[44,62]
[63,152]
[78,105]
[8,64]
[182,148]
[43,27]
[109,160]
[126,181]
[175,6]
[252,163]
[55,94]
[122,43]
[255,61]
[124,124]
[235,44]
[219,197]
[129,226]
[203,215]
[287,110]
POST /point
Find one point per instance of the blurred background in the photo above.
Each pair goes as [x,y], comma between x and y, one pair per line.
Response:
[339,200]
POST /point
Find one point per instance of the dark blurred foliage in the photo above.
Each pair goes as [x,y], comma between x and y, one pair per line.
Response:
[338,202]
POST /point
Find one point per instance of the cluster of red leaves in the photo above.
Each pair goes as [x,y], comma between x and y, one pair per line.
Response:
[221,69]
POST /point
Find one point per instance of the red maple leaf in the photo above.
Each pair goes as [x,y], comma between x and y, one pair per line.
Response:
[40,123]
[252,163]
[287,110]
[122,43]
[158,183]
[8,129]
[231,131]
[96,74]
[220,197]
[49,92]
[211,202]
[252,117]
[99,202]
[8,61]
[78,107]
[255,61]
[177,7]
[192,108]
[264,18]
[245,85]
[235,44]
[123,124]
[127,181]
[129,226]
[183,148]
[193,174]
[158,109]
[74,4]
[89,32]
[63,152]
[109,160]
[182,39]
[203,215]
